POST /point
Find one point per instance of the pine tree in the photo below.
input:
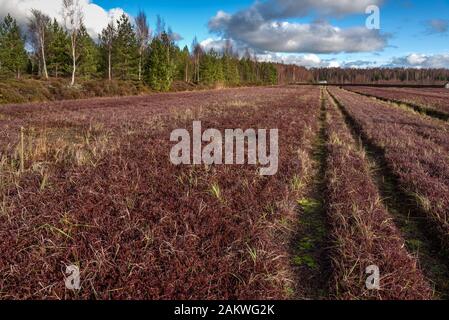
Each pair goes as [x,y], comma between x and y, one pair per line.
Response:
[89,54]
[160,69]
[127,49]
[13,57]
[230,70]
[211,68]
[248,70]
[268,73]
[58,57]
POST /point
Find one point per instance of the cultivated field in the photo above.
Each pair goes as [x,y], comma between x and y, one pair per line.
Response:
[361,182]
[432,101]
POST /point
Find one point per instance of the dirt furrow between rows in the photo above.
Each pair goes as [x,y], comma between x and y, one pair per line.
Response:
[311,243]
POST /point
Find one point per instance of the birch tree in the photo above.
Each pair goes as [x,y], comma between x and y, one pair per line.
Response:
[143,37]
[73,20]
[38,26]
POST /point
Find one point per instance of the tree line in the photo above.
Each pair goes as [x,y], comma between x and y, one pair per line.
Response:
[380,75]
[126,49]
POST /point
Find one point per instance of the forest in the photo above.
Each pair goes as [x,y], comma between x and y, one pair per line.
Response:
[127,49]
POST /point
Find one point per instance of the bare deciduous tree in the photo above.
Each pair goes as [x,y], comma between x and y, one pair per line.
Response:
[160,26]
[143,37]
[73,20]
[38,27]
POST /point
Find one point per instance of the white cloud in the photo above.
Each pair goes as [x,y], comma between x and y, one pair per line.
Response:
[214,44]
[95,17]
[281,9]
[261,27]
[416,60]
[318,37]
[307,60]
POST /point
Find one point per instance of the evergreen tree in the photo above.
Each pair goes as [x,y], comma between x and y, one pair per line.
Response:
[127,49]
[248,70]
[13,57]
[211,68]
[160,69]
[268,73]
[58,48]
[89,55]
[230,70]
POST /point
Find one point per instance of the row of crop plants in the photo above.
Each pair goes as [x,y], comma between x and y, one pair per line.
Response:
[432,101]
[415,149]
[362,231]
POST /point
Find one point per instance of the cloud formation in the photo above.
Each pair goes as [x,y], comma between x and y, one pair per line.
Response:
[435,26]
[282,9]
[306,60]
[416,60]
[95,17]
[259,27]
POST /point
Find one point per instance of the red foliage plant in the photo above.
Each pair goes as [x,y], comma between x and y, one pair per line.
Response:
[361,229]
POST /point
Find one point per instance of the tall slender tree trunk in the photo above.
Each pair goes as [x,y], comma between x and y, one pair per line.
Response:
[44,62]
[110,65]
[198,69]
[140,66]
[74,63]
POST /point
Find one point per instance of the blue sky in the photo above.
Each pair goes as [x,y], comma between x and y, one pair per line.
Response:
[405,21]
[188,18]
[413,33]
